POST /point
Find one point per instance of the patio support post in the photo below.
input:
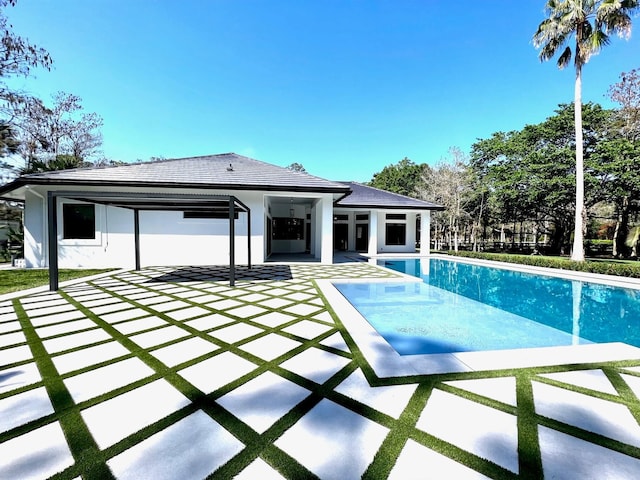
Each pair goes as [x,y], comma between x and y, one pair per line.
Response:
[425,232]
[373,233]
[52,224]
[136,236]
[232,242]
[249,239]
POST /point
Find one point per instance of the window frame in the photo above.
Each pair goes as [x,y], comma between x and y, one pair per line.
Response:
[98,227]
[403,236]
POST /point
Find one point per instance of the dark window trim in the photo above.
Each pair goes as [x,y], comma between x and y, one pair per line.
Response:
[216,214]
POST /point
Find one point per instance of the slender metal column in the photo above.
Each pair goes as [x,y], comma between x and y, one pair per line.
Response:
[249,239]
[136,236]
[232,242]
[52,226]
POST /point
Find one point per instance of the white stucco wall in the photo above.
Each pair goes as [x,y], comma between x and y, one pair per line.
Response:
[166,238]
[410,238]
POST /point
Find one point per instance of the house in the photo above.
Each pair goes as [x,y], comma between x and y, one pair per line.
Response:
[216,209]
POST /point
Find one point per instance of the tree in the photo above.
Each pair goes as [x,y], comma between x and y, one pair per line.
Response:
[620,153]
[62,130]
[402,178]
[590,22]
[17,55]
[627,94]
[530,174]
[448,184]
[297,167]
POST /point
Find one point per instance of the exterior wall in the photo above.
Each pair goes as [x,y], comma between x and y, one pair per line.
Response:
[166,238]
[377,230]
[410,238]
[113,244]
[35,243]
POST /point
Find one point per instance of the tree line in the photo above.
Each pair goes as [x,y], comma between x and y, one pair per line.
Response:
[518,187]
[513,170]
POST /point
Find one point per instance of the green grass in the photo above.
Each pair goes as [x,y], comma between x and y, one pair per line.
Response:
[22,279]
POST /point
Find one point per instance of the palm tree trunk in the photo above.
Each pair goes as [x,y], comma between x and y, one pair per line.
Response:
[577,253]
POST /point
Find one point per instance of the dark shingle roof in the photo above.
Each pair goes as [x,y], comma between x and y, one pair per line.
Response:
[227,171]
[369,197]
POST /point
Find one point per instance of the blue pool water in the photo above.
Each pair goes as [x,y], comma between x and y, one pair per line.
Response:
[462,307]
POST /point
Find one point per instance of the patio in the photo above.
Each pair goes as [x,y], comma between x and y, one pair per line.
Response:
[170,373]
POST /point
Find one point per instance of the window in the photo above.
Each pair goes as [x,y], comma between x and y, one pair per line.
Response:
[78,221]
[396,216]
[285,228]
[362,217]
[221,213]
[340,217]
[396,234]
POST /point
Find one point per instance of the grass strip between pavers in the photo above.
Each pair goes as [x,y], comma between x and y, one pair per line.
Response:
[245,434]
[89,461]
[529,456]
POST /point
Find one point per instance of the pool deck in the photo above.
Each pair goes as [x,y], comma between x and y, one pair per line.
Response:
[170,373]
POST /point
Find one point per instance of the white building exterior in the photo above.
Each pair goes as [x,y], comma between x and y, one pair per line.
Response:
[290,213]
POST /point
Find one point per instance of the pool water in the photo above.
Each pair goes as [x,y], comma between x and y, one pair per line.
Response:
[461,307]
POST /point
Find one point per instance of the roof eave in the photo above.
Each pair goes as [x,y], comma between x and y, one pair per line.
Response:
[95,183]
[391,207]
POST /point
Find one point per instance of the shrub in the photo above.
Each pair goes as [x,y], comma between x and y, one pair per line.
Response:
[631,270]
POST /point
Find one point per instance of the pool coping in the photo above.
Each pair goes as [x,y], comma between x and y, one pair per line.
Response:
[387,363]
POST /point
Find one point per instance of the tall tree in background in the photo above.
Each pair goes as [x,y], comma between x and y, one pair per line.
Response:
[590,22]
[448,184]
[402,177]
[17,55]
[61,136]
[621,152]
[296,167]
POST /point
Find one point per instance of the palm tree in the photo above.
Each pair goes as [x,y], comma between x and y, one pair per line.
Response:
[591,22]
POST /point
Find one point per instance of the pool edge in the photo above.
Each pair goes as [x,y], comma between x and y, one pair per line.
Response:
[387,363]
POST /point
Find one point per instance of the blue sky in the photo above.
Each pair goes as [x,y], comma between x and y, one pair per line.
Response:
[344,87]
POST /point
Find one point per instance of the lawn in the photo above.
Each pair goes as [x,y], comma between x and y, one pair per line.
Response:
[13,280]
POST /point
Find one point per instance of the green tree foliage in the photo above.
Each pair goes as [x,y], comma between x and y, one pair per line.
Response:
[403,177]
[531,173]
[589,23]
[297,167]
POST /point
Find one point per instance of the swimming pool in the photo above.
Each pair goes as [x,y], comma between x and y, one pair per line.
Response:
[461,307]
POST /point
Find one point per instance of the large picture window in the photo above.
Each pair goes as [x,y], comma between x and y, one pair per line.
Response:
[396,234]
[78,221]
[285,228]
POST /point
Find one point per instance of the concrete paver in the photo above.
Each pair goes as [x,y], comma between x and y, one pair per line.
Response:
[315,412]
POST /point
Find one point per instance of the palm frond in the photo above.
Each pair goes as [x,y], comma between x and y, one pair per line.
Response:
[564,58]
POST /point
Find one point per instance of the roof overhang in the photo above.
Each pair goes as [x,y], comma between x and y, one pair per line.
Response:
[154,201]
[15,190]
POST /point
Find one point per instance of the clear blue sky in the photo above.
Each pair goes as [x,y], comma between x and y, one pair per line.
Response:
[344,87]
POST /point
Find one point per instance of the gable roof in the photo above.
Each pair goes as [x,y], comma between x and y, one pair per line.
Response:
[228,171]
[363,196]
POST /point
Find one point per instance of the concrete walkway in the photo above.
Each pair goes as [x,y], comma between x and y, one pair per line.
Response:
[170,373]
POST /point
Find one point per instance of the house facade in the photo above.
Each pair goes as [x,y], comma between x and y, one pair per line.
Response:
[208,210]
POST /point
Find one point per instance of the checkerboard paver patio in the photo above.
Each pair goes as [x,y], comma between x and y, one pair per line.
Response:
[170,373]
